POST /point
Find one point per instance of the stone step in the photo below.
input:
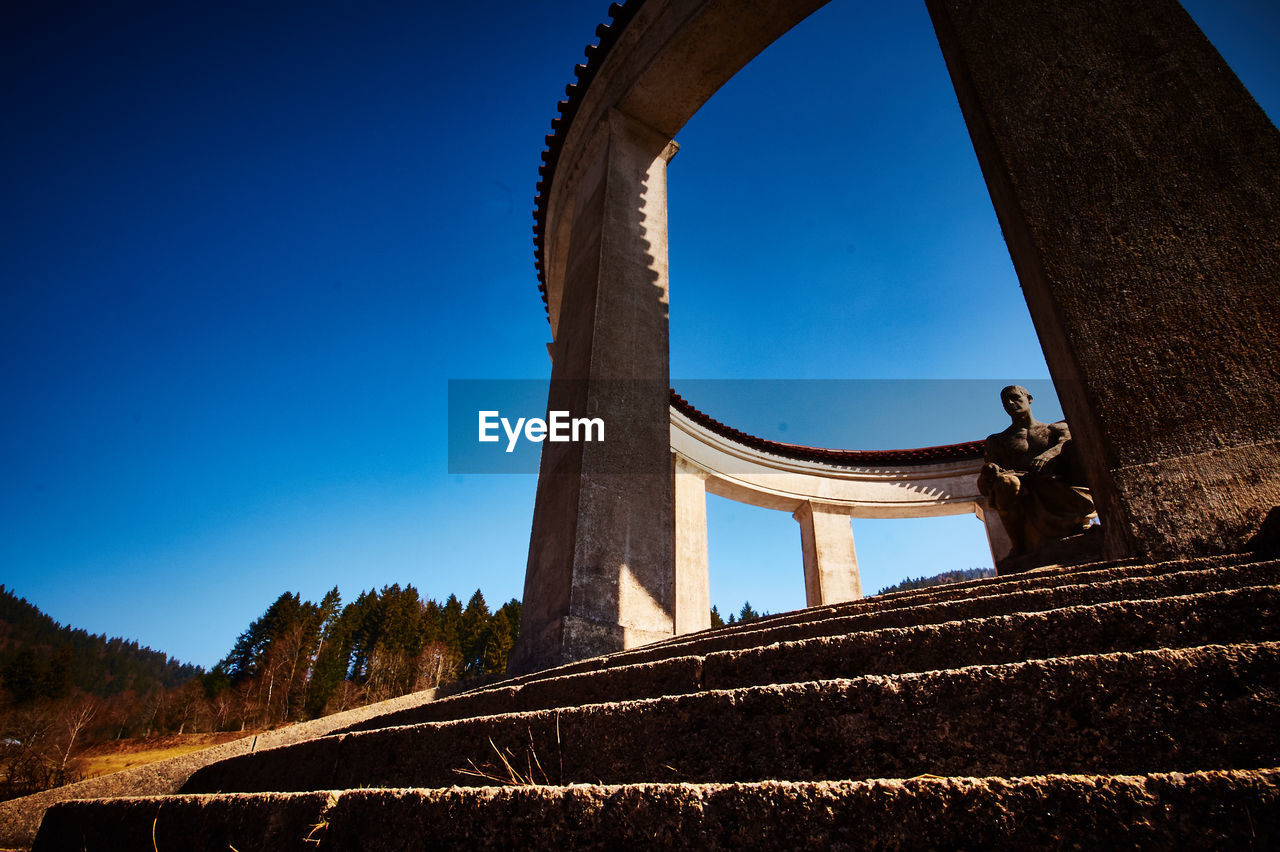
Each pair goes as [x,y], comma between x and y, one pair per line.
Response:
[956,605]
[1021,592]
[1057,576]
[1212,707]
[1239,615]
[1200,810]
[666,675]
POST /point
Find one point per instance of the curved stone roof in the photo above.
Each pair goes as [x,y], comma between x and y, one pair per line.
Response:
[845,458]
[621,14]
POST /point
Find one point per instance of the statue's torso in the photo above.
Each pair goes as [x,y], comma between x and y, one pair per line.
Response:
[1015,447]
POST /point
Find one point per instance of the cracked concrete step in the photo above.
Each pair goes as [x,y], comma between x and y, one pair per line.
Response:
[1201,810]
[1047,590]
[1212,707]
[1239,615]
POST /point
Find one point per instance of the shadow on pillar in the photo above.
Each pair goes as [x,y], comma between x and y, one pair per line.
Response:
[601,554]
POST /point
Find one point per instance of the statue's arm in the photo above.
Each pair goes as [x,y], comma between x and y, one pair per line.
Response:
[1060,436]
[990,470]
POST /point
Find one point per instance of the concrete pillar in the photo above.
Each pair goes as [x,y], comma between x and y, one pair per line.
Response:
[693,576]
[830,561]
[997,537]
[601,556]
[1138,187]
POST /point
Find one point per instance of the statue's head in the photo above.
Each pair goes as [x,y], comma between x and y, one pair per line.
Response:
[1016,400]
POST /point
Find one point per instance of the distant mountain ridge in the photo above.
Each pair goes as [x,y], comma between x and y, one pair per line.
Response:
[944,578]
[40,658]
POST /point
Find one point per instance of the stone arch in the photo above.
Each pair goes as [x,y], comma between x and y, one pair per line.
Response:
[1130,171]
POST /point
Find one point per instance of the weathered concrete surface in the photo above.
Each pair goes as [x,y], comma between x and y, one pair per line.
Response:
[830,560]
[1201,573]
[665,64]
[1131,173]
[1029,600]
[1138,186]
[1164,710]
[262,823]
[1101,572]
[19,818]
[1202,810]
[1177,622]
[1242,615]
[601,553]
[779,766]
[646,680]
[1084,574]
[954,813]
[868,489]
[692,565]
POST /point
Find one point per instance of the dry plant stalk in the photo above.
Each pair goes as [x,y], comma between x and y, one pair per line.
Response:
[508,775]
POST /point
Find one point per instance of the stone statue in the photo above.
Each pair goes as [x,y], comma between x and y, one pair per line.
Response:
[1032,479]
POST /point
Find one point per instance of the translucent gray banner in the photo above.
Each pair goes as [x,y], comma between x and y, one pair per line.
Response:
[502,426]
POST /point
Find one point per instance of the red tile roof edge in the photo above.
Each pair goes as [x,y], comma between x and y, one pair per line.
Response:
[621,14]
[845,458]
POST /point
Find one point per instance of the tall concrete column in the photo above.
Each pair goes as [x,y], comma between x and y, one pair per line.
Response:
[1138,186]
[601,555]
[693,576]
[830,561]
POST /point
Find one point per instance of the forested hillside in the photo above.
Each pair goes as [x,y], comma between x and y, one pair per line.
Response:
[40,658]
[939,579]
[62,689]
[303,659]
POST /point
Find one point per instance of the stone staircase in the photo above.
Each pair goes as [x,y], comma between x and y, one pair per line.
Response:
[1103,706]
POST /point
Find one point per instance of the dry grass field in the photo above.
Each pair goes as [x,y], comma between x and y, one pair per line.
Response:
[115,755]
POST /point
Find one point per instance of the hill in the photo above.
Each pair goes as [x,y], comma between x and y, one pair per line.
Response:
[942,579]
[40,658]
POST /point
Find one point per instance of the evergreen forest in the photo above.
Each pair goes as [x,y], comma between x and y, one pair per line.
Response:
[942,579]
[301,660]
[63,689]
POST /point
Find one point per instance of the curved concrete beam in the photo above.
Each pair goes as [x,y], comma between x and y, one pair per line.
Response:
[820,495]
[670,59]
[748,475]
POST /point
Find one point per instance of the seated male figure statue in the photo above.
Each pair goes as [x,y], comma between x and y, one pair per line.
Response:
[1031,478]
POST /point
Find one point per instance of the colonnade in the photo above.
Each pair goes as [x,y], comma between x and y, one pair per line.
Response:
[821,495]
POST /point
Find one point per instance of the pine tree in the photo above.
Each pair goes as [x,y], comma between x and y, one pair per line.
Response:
[400,643]
[361,617]
[330,658]
[22,676]
[451,624]
[432,619]
[473,635]
[512,611]
[716,620]
[499,639]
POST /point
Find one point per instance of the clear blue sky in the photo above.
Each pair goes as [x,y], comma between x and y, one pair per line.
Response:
[245,245]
